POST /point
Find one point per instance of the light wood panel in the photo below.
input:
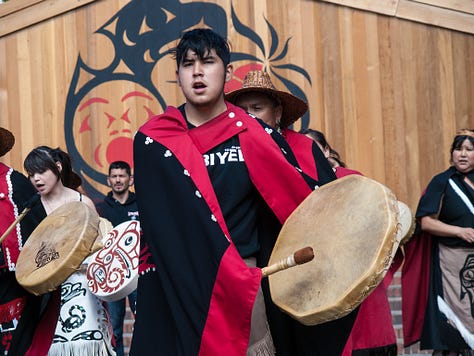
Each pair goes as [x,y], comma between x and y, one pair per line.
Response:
[457,15]
[388,93]
[466,6]
[18,14]
[437,16]
[16,6]
[386,7]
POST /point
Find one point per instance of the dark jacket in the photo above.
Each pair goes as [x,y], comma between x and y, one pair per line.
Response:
[118,213]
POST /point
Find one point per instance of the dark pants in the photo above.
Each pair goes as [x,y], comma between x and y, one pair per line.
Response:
[117,316]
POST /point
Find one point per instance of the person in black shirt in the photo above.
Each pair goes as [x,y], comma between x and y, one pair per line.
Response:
[211,182]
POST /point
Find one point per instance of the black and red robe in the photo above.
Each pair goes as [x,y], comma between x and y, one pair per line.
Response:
[196,294]
[19,310]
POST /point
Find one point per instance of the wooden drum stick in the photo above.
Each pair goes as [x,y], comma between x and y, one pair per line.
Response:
[301,256]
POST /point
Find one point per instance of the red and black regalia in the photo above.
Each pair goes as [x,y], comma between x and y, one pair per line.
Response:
[309,156]
[209,196]
[437,273]
[19,310]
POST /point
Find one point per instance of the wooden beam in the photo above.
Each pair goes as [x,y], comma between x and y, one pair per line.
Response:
[386,7]
[10,7]
[19,14]
[466,6]
[453,14]
[437,16]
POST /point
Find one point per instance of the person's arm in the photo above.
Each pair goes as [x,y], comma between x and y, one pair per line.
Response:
[434,226]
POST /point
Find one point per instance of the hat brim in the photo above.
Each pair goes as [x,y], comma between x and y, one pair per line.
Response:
[293,107]
[7,140]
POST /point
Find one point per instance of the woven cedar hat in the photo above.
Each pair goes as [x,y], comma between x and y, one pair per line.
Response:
[7,140]
[465,132]
[258,81]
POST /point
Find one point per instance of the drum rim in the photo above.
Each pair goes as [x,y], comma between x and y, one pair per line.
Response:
[365,282]
[70,261]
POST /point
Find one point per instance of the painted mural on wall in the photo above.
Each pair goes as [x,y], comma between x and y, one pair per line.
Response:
[141,74]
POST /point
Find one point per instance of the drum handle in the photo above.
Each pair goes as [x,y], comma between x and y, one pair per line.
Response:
[29,204]
[301,256]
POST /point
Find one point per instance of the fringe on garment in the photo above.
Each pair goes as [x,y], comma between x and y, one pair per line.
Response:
[79,348]
[264,347]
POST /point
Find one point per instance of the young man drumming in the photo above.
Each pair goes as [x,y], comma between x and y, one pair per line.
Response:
[211,181]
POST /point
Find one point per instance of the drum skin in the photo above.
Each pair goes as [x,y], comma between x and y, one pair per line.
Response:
[112,273]
[351,224]
[407,222]
[57,247]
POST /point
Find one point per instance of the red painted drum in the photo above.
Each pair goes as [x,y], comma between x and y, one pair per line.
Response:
[112,273]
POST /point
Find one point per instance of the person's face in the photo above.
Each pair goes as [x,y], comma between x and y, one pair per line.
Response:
[202,80]
[119,180]
[44,182]
[325,150]
[262,106]
[463,157]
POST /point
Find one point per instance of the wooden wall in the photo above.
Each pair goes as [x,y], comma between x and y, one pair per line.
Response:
[389,93]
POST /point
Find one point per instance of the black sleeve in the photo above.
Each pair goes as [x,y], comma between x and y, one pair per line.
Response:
[430,201]
[326,170]
[23,191]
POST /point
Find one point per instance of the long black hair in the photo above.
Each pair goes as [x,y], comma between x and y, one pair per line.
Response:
[42,158]
[319,137]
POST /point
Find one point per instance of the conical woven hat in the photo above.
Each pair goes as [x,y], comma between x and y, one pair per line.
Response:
[259,81]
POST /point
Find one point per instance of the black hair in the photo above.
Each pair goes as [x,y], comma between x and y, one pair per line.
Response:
[42,158]
[316,135]
[202,41]
[319,137]
[120,165]
[461,136]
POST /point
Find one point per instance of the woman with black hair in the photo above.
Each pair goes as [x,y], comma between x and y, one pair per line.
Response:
[438,296]
[83,326]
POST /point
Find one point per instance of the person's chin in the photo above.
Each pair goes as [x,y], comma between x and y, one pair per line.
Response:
[204,101]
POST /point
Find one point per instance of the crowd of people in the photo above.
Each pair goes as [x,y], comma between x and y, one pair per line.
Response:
[215,180]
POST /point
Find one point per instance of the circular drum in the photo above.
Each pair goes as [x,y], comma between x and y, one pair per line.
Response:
[57,247]
[112,273]
[351,224]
